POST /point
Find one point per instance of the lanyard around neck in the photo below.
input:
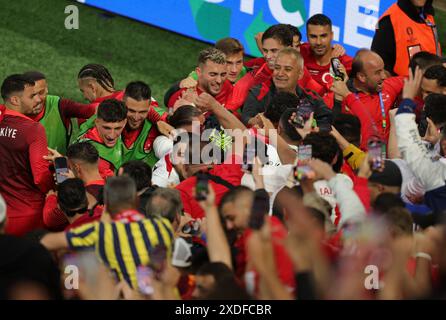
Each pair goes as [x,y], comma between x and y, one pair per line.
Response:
[383,112]
[433,26]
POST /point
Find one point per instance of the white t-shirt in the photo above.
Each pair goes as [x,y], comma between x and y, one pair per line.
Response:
[275,175]
[163,174]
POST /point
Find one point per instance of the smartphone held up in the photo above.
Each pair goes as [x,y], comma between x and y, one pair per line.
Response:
[303,170]
[202,187]
[61,167]
[377,153]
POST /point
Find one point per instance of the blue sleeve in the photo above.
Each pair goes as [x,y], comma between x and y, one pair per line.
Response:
[406,106]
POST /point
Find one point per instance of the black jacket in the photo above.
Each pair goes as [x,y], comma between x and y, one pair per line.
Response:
[384,39]
[261,95]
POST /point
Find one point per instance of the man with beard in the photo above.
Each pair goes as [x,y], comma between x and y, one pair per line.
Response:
[55,113]
[139,133]
[317,53]
[25,177]
[369,95]
[288,70]
[212,75]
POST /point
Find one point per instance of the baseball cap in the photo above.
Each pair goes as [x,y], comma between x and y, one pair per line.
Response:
[390,176]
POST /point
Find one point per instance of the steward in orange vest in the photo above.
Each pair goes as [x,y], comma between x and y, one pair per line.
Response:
[402,31]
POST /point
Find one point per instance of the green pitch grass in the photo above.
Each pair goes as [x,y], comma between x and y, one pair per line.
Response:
[33,37]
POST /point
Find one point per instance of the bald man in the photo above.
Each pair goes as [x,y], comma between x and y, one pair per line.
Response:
[369,95]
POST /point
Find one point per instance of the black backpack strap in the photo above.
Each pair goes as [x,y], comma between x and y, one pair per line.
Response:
[219,180]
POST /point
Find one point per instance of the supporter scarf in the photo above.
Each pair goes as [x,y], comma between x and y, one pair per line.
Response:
[128,216]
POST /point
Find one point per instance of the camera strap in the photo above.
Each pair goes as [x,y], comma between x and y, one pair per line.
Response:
[219,180]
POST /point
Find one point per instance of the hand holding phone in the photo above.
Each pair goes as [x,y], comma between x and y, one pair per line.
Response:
[377,153]
[145,280]
[61,166]
[248,156]
[302,169]
[259,209]
[335,71]
[202,187]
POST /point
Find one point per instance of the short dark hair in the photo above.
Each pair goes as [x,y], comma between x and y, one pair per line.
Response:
[140,172]
[99,73]
[424,60]
[279,32]
[171,205]
[34,75]
[183,116]
[287,128]
[435,108]
[119,193]
[349,127]
[112,110]
[229,46]
[13,84]
[319,20]
[83,151]
[234,194]
[324,146]
[71,196]
[436,72]
[386,201]
[279,103]
[400,219]
[295,31]
[216,269]
[138,90]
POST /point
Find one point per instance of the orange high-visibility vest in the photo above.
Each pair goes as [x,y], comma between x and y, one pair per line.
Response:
[411,37]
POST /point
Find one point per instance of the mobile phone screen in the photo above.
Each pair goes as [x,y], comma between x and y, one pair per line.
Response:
[61,166]
[302,170]
[334,69]
[201,188]
[145,280]
[375,149]
[248,156]
[259,210]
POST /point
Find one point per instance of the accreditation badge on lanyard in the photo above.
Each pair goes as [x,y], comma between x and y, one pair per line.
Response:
[383,125]
[433,26]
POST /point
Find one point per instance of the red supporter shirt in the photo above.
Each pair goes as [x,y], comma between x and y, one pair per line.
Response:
[321,73]
[284,264]
[367,108]
[25,177]
[232,173]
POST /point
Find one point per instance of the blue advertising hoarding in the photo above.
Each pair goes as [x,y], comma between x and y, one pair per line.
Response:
[210,20]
